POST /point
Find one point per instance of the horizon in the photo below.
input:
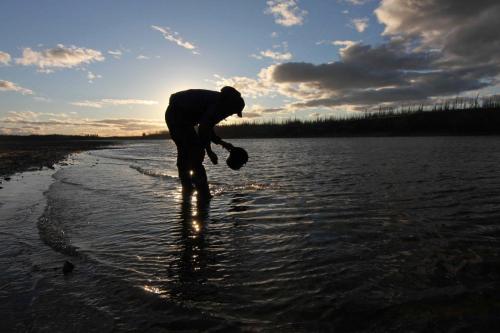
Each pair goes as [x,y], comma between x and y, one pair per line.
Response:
[109,68]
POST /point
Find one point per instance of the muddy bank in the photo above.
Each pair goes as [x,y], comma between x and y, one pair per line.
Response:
[32,153]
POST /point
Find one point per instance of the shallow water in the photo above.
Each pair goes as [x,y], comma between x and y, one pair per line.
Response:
[312,234]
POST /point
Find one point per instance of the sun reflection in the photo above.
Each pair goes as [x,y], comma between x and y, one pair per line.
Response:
[196,226]
[152,289]
[193,259]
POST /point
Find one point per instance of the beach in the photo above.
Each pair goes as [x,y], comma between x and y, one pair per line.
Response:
[26,168]
[20,153]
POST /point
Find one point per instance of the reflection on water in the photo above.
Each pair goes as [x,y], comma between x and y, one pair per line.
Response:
[194,215]
[355,234]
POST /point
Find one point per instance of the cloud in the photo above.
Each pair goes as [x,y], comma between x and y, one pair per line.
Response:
[372,75]
[91,76]
[357,2]
[28,122]
[11,86]
[59,57]
[345,44]
[42,99]
[142,57]
[435,50]
[113,102]
[275,55]
[365,75]
[174,37]
[249,87]
[4,58]
[465,32]
[117,54]
[88,104]
[360,24]
[257,111]
[128,101]
[286,12]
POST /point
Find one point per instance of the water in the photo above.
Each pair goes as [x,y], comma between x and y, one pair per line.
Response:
[352,234]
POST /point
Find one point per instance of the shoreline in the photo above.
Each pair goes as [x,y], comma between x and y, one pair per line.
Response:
[33,153]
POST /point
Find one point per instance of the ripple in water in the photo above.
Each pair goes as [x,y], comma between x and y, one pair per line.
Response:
[313,234]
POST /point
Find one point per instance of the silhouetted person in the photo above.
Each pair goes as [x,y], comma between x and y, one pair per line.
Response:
[202,108]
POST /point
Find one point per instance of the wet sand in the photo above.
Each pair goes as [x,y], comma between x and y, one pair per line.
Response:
[18,154]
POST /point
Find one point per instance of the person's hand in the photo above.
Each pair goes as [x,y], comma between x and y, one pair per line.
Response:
[227,145]
[213,157]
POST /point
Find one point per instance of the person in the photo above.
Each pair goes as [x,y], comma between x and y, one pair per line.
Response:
[203,108]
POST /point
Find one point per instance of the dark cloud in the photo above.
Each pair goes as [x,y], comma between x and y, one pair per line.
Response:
[334,76]
[258,111]
[273,110]
[361,67]
[436,48]
[252,114]
[389,56]
[464,30]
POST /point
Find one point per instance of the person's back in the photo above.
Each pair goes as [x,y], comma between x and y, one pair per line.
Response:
[190,106]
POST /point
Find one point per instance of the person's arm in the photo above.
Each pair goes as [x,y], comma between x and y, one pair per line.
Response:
[214,137]
[226,145]
[205,130]
[207,135]
[206,127]
[213,156]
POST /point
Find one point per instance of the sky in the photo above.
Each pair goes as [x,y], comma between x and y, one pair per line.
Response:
[108,67]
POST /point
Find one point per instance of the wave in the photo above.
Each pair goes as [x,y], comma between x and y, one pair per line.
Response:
[152,172]
[126,158]
[52,234]
[221,188]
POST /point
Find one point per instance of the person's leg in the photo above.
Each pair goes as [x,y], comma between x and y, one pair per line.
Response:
[190,155]
[200,180]
[190,161]
[199,176]
[180,136]
[184,167]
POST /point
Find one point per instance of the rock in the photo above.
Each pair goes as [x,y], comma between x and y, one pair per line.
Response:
[68,267]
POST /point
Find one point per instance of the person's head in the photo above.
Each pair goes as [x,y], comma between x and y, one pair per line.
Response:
[231,102]
[237,158]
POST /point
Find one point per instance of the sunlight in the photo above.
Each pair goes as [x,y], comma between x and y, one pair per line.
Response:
[153,290]
[196,226]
